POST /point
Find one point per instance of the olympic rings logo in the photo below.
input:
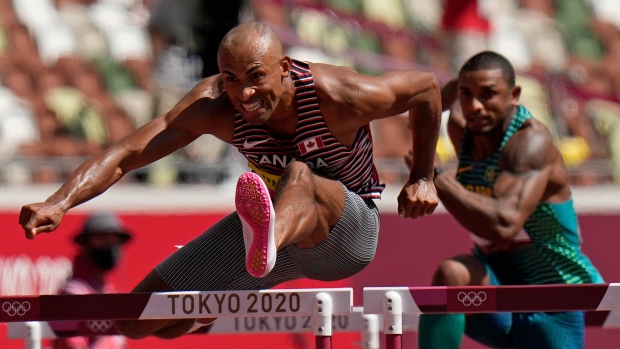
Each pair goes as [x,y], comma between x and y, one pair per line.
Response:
[472,298]
[99,325]
[16,308]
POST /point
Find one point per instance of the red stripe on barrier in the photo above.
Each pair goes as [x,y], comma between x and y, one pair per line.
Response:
[551,297]
[596,318]
[93,306]
[15,309]
[73,307]
[430,299]
[480,299]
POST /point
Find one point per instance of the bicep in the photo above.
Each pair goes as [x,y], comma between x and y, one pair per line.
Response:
[526,164]
[374,97]
[176,129]
[150,143]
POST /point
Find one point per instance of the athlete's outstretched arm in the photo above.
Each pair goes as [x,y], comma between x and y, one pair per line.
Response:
[195,114]
[527,164]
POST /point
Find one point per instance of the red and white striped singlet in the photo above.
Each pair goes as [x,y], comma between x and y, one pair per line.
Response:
[312,144]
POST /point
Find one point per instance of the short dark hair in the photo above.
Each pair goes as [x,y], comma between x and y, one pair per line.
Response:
[487,60]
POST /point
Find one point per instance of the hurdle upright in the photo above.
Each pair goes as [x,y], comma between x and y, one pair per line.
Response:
[320,304]
[393,302]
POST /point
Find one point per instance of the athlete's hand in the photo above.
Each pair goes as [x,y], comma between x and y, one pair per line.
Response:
[40,218]
[417,198]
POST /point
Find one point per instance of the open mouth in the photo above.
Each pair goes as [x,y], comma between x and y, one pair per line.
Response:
[252,106]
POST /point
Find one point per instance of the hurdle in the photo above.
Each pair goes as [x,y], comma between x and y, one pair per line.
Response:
[319,304]
[367,325]
[393,302]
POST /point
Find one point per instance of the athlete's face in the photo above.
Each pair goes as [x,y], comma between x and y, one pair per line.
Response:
[253,80]
[486,99]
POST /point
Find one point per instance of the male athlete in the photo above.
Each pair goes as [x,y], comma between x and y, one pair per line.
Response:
[307,208]
[511,192]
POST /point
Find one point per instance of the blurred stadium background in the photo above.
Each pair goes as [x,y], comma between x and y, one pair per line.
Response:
[76,75]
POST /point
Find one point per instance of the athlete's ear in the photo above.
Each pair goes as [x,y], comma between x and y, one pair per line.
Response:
[516,93]
[286,66]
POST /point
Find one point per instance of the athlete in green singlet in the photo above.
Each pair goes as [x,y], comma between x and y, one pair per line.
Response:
[511,192]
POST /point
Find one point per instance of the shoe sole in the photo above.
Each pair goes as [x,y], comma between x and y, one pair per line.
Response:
[257,216]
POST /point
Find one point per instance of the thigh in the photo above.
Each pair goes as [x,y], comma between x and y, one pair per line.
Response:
[565,330]
[461,270]
[300,186]
[349,247]
[492,329]
[215,260]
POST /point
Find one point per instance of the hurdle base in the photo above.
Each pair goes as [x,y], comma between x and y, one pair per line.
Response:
[323,342]
[394,341]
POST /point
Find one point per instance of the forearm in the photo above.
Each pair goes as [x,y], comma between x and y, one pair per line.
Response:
[425,120]
[89,180]
[477,213]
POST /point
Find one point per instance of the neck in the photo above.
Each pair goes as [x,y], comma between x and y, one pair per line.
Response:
[283,121]
[484,144]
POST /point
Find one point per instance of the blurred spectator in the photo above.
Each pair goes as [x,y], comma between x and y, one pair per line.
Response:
[211,21]
[21,49]
[100,244]
[390,138]
[177,67]
[129,50]
[606,116]
[85,72]
[17,126]
[467,29]
[276,13]
[546,43]
[393,23]
[185,37]
[526,32]
[576,19]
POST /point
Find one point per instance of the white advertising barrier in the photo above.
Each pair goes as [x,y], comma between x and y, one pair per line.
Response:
[368,325]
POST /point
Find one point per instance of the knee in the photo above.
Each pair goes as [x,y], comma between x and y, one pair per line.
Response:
[295,174]
[296,171]
[451,273]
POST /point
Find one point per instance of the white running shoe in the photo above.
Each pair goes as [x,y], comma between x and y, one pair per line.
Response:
[255,209]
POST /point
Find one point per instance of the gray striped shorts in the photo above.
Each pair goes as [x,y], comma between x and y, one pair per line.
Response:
[216,259]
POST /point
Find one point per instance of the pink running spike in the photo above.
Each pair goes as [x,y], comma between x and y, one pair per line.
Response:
[257,219]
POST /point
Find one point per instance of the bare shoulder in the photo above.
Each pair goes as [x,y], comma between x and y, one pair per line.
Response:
[211,87]
[388,94]
[206,109]
[530,148]
[207,93]
[347,82]
[335,83]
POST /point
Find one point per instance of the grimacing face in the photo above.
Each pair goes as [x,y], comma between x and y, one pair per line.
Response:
[253,82]
[486,99]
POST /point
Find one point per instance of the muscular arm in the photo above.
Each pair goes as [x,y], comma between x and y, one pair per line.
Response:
[528,162]
[197,113]
[350,100]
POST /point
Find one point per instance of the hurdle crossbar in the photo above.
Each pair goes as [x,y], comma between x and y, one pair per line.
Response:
[393,302]
[367,325]
[320,304]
